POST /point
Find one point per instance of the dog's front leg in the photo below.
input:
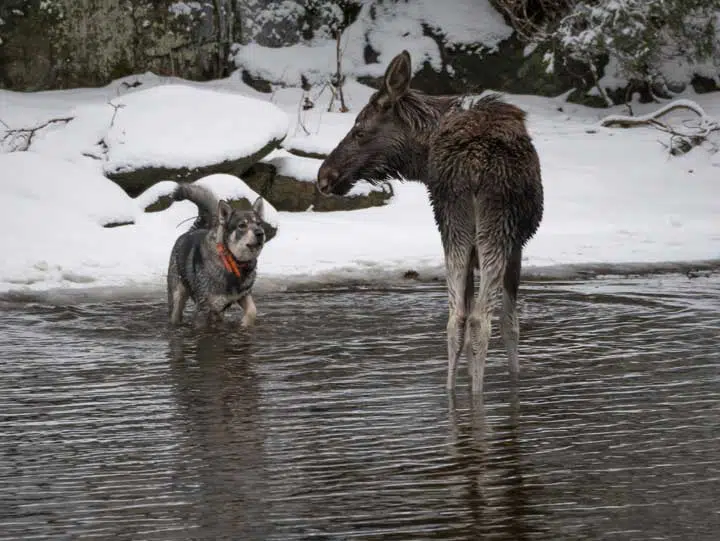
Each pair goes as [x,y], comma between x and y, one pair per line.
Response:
[207,314]
[248,305]
[202,317]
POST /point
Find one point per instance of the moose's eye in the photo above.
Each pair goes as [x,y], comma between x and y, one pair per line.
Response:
[359,134]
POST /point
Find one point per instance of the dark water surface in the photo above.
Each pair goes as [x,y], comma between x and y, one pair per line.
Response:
[329,421]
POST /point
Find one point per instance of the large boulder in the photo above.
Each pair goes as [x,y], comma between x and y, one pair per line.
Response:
[182,133]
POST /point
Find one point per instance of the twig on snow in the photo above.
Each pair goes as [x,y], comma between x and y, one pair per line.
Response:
[20,139]
[115,112]
[681,141]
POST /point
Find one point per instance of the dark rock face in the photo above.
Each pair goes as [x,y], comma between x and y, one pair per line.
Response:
[509,69]
[70,43]
[81,44]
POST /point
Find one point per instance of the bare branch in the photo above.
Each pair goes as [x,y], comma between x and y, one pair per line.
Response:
[681,141]
[20,139]
[339,77]
[622,121]
[115,112]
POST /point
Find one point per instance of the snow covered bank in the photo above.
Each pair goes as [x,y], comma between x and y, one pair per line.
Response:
[612,197]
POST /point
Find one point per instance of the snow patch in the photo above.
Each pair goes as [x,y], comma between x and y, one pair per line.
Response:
[164,188]
[231,187]
[364,188]
[28,178]
[289,165]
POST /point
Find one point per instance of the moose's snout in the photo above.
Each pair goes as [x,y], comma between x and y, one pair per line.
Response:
[327,178]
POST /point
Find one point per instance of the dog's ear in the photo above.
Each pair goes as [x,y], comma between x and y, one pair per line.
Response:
[258,207]
[224,211]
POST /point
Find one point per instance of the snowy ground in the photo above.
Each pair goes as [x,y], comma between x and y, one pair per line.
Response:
[612,196]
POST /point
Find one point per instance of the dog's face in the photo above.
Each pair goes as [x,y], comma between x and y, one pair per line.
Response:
[243,231]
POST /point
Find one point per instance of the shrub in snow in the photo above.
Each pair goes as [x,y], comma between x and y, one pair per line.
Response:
[644,38]
[660,44]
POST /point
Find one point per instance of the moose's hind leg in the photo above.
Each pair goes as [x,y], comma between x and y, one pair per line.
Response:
[458,266]
[509,324]
[480,321]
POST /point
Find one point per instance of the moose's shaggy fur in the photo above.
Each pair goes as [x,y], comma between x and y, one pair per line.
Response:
[483,176]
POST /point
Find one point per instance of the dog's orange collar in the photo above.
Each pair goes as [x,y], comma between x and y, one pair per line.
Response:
[228,260]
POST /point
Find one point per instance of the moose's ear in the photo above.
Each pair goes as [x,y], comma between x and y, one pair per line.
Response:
[397,77]
[224,211]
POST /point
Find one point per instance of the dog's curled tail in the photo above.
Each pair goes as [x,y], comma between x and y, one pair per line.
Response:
[206,202]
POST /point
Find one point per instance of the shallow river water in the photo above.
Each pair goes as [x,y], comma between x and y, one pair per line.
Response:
[329,421]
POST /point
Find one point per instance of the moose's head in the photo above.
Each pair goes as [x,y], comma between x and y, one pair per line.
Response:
[380,143]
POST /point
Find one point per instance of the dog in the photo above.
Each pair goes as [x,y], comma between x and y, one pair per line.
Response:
[215,262]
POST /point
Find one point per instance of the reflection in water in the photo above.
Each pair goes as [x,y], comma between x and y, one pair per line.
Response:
[329,420]
[218,398]
[499,501]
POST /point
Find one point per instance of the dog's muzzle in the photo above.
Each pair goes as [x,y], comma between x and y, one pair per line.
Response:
[259,238]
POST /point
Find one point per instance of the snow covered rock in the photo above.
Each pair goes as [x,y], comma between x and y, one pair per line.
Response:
[52,185]
[288,182]
[228,187]
[177,132]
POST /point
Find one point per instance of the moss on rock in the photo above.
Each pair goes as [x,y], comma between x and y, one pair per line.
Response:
[290,194]
[136,181]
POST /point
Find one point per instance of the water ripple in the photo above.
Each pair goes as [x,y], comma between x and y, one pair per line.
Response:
[329,421]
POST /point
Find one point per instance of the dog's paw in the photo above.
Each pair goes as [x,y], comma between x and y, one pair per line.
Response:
[247,322]
[248,306]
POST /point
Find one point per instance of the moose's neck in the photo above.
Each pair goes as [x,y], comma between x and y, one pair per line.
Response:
[422,113]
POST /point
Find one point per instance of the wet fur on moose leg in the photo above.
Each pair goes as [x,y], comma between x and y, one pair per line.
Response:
[215,262]
[482,173]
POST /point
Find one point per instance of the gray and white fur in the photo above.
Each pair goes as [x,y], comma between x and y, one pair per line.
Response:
[482,173]
[197,269]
